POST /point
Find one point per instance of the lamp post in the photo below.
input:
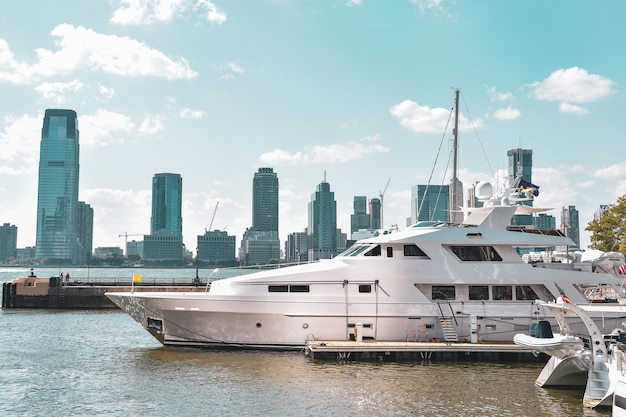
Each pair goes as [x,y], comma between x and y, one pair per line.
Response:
[196,280]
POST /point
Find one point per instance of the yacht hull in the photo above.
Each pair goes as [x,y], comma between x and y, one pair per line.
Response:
[203,319]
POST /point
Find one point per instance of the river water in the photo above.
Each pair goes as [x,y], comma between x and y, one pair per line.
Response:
[102,363]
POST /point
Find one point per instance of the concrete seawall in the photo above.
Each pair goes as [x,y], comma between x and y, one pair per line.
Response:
[51,293]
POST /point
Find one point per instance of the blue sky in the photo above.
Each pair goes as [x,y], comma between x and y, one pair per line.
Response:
[357,90]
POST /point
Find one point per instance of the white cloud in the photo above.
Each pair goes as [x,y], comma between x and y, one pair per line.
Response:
[106,93]
[321,154]
[57,91]
[19,145]
[509,113]
[615,171]
[82,49]
[190,114]
[151,125]
[11,70]
[571,108]
[126,209]
[351,3]
[228,70]
[423,119]
[572,85]
[145,12]
[496,96]
[106,127]
[428,4]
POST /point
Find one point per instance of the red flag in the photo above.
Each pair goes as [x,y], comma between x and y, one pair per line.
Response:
[622,269]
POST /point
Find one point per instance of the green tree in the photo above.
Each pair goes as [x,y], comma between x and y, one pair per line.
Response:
[609,232]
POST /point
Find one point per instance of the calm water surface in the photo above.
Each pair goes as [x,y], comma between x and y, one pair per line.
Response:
[88,363]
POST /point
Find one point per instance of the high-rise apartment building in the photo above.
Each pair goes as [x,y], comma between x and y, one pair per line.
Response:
[260,243]
[597,215]
[8,242]
[58,237]
[456,187]
[322,227]
[521,164]
[359,220]
[570,225]
[265,200]
[297,247]
[430,203]
[165,242]
[375,212]
[85,231]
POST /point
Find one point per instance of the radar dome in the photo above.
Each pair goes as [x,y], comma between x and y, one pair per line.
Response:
[483,190]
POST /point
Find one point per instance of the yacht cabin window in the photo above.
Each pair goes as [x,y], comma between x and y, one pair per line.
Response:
[524,292]
[375,251]
[478,292]
[389,252]
[476,253]
[288,288]
[356,250]
[443,292]
[502,292]
[365,288]
[413,250]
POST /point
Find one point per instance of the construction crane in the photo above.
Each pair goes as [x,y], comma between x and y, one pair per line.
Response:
[382,194]
[212,218]
[125,235]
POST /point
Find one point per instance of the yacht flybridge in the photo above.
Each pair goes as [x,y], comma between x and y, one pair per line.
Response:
[453,281]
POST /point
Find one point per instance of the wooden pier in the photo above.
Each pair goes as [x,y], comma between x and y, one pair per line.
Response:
[371,350]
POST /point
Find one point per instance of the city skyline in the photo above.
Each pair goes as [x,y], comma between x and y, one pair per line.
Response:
[359,89]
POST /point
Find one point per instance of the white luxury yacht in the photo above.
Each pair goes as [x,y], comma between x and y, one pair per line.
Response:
[449,282]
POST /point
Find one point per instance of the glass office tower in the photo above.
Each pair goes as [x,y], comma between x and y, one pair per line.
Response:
[57,197]
[167,201]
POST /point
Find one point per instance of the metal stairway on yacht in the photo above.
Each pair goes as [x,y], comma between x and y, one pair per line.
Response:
[598,384]
[449,332]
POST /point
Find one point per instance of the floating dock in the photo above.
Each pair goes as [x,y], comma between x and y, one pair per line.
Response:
[52,293]
[371,350]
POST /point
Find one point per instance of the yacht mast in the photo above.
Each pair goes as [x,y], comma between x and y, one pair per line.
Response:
[455,215]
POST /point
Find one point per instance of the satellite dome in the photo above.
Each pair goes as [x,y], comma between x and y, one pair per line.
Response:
[483,190]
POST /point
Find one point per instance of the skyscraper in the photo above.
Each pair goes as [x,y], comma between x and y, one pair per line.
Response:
[260,243]
[8,242]
[359,220]
[165,242]
[570,224]
[85,231]
[167,190]
[57,197]
[322,223]
[521,164]
[430,203]
[265,200]
[375,208]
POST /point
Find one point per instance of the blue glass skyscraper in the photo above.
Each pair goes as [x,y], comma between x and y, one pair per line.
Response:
[165,241]
[57,198]
[167,201]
